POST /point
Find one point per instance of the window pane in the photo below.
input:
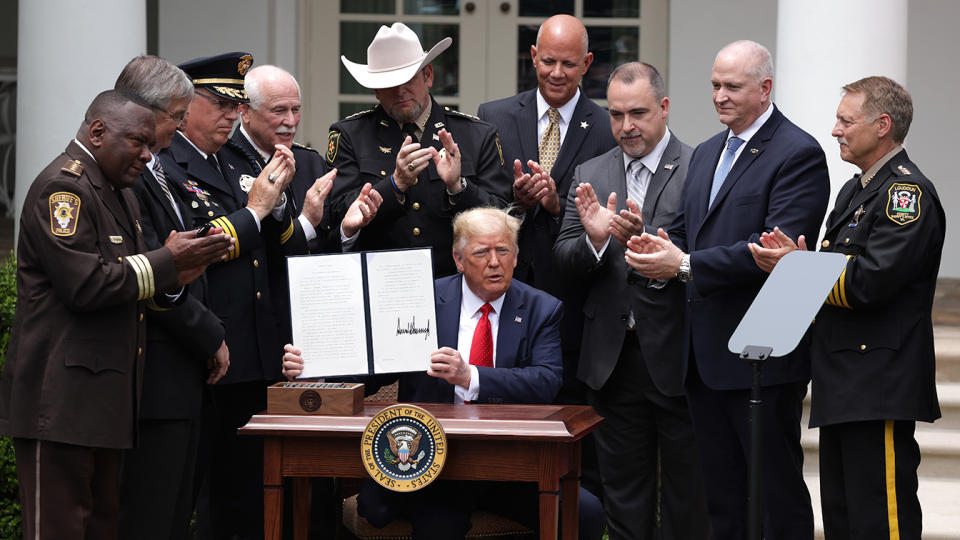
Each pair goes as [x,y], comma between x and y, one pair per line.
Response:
[431,7]
[526,74]
[545,8]
[611,46]
[611,8]
[368,6]
[355,37]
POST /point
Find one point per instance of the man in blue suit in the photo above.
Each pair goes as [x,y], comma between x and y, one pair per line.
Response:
[761,172]
[499,343]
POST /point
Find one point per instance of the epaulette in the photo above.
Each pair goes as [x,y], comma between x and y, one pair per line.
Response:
[305,147]
[359,114]
[903,170]
[73,167]
[454,111]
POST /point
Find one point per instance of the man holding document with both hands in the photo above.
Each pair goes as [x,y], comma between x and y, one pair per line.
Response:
[499,342]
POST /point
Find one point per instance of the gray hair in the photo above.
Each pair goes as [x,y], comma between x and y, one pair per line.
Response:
[258,75]
[155,80]
[761,65]
[884,95]
[632,71]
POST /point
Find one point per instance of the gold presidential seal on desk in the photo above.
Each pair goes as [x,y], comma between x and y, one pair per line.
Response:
[403,448]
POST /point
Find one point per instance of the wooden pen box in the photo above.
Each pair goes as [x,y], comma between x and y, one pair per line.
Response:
[315,398]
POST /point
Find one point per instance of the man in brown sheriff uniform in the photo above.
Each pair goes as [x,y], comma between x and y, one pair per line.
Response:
[872,351]
[405,148]
[70,389]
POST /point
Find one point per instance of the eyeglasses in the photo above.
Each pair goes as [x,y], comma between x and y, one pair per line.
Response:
[178,118]
[226,105]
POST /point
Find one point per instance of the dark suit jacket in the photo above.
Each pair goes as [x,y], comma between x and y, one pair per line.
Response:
[614,289]
[363,147]
[873,354]
[779,180]
[239,290]
[179,340]
[516,121]
[75,358]
[528,366]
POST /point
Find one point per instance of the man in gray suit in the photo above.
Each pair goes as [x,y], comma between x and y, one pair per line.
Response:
[633,332]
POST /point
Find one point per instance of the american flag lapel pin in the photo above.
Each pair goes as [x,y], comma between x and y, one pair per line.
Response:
[518,319]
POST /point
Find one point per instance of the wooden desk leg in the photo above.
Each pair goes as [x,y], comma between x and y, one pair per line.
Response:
[272,489]
[549,512]
[301,508]
[570,495]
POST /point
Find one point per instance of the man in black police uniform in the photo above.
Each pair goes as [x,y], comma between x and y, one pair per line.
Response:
[185,345]
[405,147]
[872,351]
[208,179]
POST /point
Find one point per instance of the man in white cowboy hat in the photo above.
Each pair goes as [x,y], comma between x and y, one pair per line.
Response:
[406,148]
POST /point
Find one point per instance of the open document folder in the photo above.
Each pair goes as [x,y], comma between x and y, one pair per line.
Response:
[363,313]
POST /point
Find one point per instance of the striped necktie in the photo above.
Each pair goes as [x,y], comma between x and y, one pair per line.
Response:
[162,181]
[637,182]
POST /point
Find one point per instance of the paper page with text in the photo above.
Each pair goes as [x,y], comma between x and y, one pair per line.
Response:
[327,314]
[403,314]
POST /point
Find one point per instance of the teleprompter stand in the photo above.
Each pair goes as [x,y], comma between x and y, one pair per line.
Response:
[773,326]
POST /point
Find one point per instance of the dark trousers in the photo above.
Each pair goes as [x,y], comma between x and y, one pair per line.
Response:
[67,491]
[647,439]
[441,511]
[723,439]
[868,480]
[234,483]
[157,480]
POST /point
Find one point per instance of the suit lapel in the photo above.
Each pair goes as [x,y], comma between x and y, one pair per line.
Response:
[448,311]
[513,321]
[152,185]
[581,123]
[669,163]
[526,119]
[198,168]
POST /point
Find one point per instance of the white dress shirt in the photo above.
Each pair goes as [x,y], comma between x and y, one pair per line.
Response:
[746,135]
[566,114]
[469,317]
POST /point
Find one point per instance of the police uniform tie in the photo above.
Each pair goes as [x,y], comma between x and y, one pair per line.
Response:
[726,161]
[637,182]
[212,160]
[481,349]
[411,130]
[162,181]
[550,144]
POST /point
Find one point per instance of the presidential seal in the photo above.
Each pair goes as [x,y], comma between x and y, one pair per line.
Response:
[403,448]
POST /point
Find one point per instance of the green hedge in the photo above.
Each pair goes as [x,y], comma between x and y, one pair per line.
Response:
[9,492]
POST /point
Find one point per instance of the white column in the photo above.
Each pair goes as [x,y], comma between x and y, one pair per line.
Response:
[824,44]
[68,52]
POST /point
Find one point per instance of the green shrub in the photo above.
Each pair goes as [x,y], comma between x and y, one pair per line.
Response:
[9,490]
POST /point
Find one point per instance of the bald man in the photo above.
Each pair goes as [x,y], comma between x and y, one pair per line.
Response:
[760,172]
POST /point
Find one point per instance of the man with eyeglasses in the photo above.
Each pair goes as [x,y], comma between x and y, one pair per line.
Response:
[239,292]
[185,345]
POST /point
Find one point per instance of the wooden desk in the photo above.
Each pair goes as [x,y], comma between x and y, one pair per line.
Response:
[527,443]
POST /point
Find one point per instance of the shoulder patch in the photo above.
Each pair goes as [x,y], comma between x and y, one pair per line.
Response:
[64,213]
[305,147]
[333,144]
[73,168]
[463,114]
[903,205]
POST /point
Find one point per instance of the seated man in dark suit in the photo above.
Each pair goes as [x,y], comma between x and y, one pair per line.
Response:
[499,343]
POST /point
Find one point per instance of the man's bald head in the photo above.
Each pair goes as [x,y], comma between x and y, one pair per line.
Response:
[753,56]
[742,80]
[561,58]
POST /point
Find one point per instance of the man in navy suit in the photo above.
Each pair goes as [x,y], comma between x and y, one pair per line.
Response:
[561,58]
[521,327]
[761,172]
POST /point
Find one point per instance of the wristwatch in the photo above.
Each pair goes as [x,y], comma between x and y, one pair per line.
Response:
[463,186]
[684,274]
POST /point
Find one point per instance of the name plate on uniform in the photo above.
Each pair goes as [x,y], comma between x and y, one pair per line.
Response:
[315,398]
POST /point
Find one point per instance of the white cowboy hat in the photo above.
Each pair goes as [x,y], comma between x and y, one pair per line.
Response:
[394,57]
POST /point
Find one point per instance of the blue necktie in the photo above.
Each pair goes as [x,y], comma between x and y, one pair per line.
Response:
[726,161]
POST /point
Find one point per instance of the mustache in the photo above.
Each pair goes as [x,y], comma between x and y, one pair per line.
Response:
[841,140]
[286,129]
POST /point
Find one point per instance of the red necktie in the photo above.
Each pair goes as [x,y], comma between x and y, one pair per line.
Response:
[481,349]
